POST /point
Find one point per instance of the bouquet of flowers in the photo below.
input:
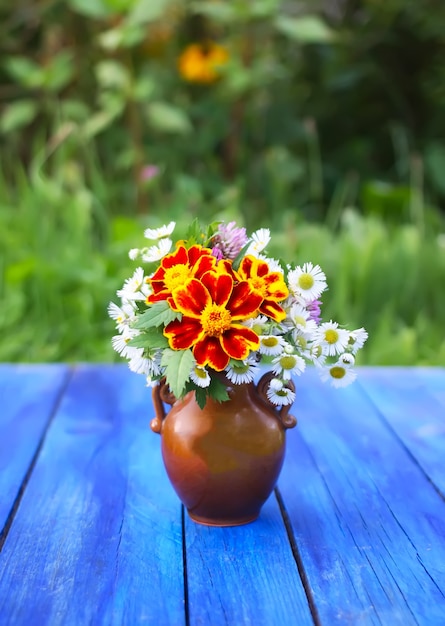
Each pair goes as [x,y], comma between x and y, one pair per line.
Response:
[216,303]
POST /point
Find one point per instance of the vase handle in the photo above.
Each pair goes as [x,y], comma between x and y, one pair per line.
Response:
[286,419]
[161,393]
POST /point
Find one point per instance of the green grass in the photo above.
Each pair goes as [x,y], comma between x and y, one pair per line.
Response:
[64,256]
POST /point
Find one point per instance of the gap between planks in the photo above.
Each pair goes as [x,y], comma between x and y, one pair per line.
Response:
[15,506]
[298,559]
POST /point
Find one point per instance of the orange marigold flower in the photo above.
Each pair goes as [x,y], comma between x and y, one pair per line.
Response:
[200,62]
[176,269]
[212,309]
[269,285]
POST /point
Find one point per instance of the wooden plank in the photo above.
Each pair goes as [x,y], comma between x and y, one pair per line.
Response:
[412,401]
[434,380]
[244,575]
[28,397]
[367,522]
[98,537]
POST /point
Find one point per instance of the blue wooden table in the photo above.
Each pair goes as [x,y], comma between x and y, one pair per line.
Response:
[93,534]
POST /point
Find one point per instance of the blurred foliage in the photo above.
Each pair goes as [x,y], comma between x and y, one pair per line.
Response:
[63,258]
[322,120]
[306,96]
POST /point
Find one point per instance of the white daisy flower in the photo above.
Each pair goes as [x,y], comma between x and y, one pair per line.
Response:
[260,239]
[158,251]
[134,253]
[357,339]
[286,365]
[271,345]
[120,344]
[122,315]
[338,375]
[131,289]
[299,317]
[279,394]
[159,233]
[346,359]
[307,282]
[200,376]
[315,354]
[331,338]
[239,372]
[141,365]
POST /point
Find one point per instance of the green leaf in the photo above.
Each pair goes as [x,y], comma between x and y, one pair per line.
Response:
[217,390]
[194,232]
[178,364]
[91,8]
[306,29]
[201,395]
[168,118]
[148,11]
[237,260]
[112,74]
[152,339]
[25,71]
[159,314]
[17,115]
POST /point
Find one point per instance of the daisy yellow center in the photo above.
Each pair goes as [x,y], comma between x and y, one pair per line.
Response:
[306,281]
[337,372]
[215,320]
[301,341]
[300,321]
[288,362]
[331,336]
[176,276]
[269,342]
[200,373]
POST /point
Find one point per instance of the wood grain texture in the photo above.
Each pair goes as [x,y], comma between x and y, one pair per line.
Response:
[244,575]
[97,538]
[368,523]
[28,397]
[412,403]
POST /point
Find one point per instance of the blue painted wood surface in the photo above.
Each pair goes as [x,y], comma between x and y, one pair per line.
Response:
[97,538]
[28,399]
[355,533]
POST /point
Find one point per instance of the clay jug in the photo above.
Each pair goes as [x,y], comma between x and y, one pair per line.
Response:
[223,460]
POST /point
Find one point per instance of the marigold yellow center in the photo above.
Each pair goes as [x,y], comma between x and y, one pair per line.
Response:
[337,372]
[331,336]
[176,276]
[305,281]
[215,320]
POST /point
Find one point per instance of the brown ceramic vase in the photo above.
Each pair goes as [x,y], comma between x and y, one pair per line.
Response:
[223,460]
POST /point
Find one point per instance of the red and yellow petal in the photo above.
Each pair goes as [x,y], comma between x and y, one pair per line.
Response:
[182,334]
[209,351]
[275,285]
[219,286]
[191,299]
[204,264]
[273,310]
[243,303]
[239,341]
[178,257]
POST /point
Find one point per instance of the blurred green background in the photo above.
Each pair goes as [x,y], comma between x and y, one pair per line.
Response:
[322,120]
